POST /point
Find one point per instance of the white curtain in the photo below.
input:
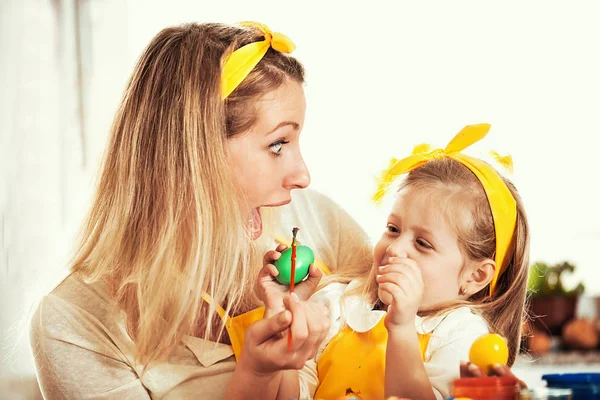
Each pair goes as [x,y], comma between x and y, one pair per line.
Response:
[51,141]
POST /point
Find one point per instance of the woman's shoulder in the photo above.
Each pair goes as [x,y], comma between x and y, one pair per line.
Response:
[75,307]
[76,291]
[313,201]
[308,194]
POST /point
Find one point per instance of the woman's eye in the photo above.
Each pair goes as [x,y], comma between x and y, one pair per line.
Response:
[275,148]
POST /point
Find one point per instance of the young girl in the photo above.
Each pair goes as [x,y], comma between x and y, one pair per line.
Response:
[451,265]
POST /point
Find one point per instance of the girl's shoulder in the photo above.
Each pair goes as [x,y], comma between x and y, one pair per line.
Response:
[453,322]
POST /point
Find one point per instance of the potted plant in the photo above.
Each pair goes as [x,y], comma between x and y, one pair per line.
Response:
[552,305]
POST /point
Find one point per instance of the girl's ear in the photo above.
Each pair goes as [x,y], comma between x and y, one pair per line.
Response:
[477,276]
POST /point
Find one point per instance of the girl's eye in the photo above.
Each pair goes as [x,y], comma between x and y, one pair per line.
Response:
[392,229]
[275,148]
[424,244]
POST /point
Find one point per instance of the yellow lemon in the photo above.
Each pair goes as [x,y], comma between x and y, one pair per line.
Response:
[488,350]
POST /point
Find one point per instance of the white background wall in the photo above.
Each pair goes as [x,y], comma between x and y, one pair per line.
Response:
[380,78]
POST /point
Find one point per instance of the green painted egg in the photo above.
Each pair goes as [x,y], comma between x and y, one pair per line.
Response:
[304,257]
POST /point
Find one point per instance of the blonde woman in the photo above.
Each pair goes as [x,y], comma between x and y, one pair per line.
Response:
[160,300]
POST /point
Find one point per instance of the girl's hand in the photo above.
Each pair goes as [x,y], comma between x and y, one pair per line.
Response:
[470,370]
[266,345]
[401,288]
[272,293]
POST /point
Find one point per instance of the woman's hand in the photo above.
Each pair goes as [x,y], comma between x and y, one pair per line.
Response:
[266,344]
[259,372]
[272,293]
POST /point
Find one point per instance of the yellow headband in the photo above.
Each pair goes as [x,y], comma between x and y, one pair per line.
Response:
[502,203]
[242,61]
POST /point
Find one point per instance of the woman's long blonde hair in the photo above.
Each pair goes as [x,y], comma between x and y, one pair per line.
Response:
[166,223]
[461,194]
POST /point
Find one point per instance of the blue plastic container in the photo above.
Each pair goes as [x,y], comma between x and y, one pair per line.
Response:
[584,386]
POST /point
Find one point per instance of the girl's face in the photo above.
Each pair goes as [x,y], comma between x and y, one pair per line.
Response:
[416,226]
[267,159]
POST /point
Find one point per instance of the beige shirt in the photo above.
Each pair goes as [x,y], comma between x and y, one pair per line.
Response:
[82,349]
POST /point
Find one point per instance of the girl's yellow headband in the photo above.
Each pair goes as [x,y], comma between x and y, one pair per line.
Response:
[242,61]
[502,203]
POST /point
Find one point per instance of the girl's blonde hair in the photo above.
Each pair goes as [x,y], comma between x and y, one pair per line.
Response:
[166,223]
[464,203]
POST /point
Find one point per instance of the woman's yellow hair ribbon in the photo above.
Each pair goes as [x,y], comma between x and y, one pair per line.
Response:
[242,61]
[502,203]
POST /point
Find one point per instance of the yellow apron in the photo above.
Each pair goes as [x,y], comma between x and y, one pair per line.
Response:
[353,363]
[236,326]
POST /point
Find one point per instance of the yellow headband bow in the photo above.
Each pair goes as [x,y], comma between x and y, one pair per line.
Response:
[242,61]
[502,203]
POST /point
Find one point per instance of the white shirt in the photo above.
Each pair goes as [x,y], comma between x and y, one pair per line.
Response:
[452,335]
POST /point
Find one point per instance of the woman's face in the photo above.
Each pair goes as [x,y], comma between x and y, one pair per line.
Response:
[267,159]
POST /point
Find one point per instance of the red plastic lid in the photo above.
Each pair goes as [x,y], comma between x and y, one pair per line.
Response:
[486,381]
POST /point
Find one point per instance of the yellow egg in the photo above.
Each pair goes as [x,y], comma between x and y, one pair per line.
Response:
[488,350]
